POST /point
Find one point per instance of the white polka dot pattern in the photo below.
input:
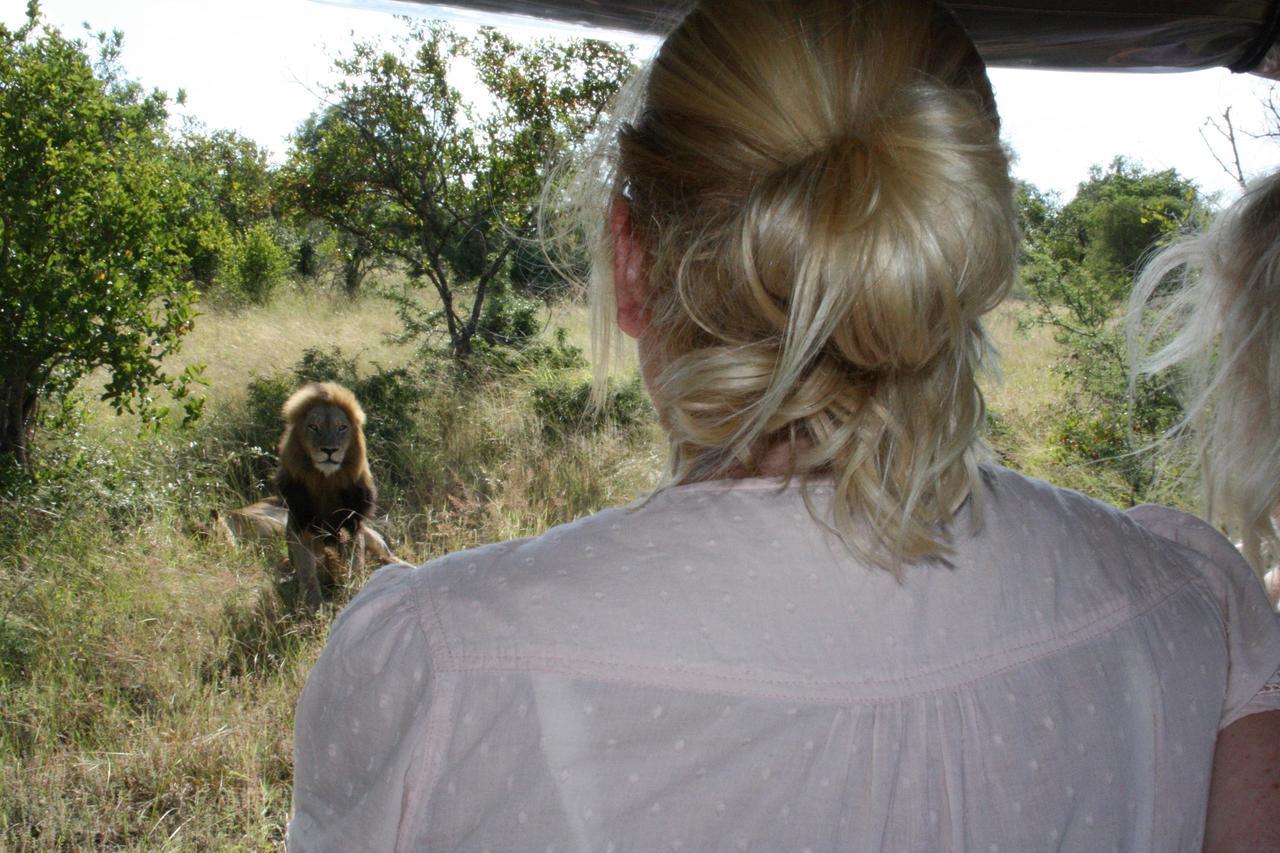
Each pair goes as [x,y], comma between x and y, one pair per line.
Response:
[711,671]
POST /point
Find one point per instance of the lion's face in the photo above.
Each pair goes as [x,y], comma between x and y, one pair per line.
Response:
[327,434]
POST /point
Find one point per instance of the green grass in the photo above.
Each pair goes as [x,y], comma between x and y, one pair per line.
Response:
[148,673]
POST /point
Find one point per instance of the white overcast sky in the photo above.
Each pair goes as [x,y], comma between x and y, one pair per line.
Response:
[254,65]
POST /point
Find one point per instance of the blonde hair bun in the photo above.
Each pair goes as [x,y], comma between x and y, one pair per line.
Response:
[828,212]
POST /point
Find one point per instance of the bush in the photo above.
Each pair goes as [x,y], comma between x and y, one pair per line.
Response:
[533,275]
[208,244]
[257,264]
[564,406]
[1077,268]
[508,319]
[490,363]
[308,258]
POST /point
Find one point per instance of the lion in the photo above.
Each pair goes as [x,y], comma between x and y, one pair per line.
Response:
[326,486]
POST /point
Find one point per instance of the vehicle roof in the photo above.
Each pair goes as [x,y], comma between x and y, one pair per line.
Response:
[1111,35]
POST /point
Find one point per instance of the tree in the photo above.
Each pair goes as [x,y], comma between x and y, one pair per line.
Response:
[90,266]
[230,173]
[1078,265]
[230,190]
[401,162]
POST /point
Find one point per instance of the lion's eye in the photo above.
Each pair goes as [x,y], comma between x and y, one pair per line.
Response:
[342,428]
[312,428]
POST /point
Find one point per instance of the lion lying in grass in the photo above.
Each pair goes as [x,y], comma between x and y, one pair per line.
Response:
[326,493]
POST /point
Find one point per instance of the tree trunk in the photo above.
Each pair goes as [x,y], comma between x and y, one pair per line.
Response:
[355,266]
[17,417]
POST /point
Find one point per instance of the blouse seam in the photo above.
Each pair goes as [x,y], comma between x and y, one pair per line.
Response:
[429,620]
[441,692]
[613,670]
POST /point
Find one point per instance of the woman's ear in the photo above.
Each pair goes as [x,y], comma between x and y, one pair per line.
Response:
[628,271]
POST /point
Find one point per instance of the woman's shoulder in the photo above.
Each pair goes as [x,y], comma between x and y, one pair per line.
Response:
[1045,508]
[1087,550]
[1187,530]
[1218,560]
[1150,542]
[1007,487]
[1029,510]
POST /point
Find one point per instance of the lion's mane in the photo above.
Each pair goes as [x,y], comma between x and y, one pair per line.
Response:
[319,503]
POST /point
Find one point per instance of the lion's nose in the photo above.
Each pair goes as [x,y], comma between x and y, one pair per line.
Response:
[328,451]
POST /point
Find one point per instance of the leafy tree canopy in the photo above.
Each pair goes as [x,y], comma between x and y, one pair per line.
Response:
[230,190]
[1118,215]
[228,173]
[402,162]
[90,263]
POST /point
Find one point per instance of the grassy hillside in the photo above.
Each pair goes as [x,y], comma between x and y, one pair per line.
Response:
[148,672]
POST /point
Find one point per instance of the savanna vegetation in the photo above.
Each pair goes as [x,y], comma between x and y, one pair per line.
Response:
[148,670]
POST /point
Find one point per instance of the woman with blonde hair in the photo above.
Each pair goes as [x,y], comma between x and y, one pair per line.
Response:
[834,626]
[1209,306]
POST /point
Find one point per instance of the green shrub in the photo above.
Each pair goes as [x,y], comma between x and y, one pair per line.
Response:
[564,406]
[1077,268]
[327,365]
[489,363]
[208,244]
[508,319]
[257,264]
[533,275]
[308,258]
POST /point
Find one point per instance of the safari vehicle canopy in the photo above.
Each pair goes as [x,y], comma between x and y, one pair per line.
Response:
[1155,35]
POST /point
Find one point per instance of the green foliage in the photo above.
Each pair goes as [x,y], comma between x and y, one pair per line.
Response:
[227,173]
[532,274]
[256,264]
[91,265]
[402,164]
[1078,265]
[322,255]
[1117,216]
[536,354]
[231,233]
[208,244]
[555,354]
[359,258]
[509,319]
[308,265]
[563,404]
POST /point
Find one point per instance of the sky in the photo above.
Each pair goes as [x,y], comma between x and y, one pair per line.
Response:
[257,66]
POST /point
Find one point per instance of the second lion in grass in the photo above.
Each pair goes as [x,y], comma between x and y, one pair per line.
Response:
[325,482]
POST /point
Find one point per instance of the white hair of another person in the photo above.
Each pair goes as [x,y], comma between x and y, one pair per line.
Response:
[1209,307]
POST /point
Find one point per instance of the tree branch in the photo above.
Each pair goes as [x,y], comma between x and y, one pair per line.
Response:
[1227,131]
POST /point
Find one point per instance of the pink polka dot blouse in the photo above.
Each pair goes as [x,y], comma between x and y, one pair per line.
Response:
[711,670]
